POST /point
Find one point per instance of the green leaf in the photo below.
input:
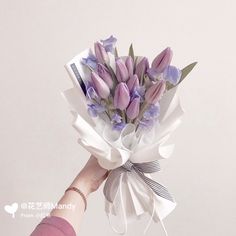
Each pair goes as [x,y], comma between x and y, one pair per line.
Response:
[113,75]
[116,53]
[186,70]
[131,51]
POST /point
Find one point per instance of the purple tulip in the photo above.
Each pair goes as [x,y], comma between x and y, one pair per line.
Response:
[100,86]
[122,73]
[162,60]
[130,65]
[142,67]
[155,92]
[105,75]
[133,109]
[133,83]
[121,97]
[101,53]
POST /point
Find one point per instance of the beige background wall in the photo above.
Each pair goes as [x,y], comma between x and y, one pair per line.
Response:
[38,149]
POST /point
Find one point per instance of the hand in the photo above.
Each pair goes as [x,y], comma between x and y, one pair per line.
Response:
[90,177]
[87,181]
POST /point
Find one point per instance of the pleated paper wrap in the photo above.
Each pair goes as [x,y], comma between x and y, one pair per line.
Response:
[131,196]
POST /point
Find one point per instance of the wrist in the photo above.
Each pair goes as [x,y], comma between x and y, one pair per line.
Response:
[82,185]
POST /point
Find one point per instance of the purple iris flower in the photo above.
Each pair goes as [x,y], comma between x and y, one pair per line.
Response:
[109,44]
[95,109]
[172,74]
[90,61]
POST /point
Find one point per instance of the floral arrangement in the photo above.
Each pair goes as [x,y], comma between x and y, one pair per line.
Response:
[130,93]
[125,110]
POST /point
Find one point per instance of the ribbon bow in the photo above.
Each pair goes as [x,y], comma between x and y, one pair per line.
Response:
[140,169]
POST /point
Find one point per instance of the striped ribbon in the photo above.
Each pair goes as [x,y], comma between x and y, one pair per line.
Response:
[140,169]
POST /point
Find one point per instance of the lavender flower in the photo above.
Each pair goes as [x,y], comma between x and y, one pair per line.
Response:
[119,126]
[150,117]
[172,74]
[95,109]
[116,118]
[138,92]
[152,112]
[117,122]
[109,44]
[90,61]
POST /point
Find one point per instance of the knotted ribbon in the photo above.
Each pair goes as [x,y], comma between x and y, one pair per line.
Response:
[140,169]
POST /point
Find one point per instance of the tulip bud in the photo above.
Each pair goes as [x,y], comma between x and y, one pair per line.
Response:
[101,53]
[105,75]
[130,65]
[142,67]
[122,73]
[155,92]
[100,86]
[162,60]
[133,83]
[121,97]
[133,108]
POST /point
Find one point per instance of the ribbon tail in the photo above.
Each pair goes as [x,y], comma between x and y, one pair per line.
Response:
[162,224]
[119,193]
[153,213]
[123,206]
[157,188]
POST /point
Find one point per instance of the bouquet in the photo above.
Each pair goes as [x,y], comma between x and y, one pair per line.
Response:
[124,110]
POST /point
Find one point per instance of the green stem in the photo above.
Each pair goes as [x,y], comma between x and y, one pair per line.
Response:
[129,120]
[143,109]
[123,115]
